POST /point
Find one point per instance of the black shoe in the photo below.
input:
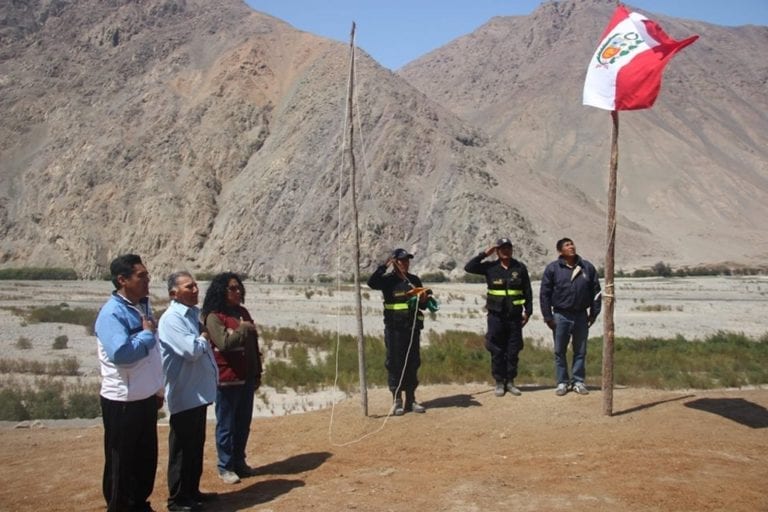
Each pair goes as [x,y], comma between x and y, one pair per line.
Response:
[205,497]
[245,471]
[184,506]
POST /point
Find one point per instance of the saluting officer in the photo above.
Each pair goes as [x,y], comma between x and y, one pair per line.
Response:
[404,300]
[509,304]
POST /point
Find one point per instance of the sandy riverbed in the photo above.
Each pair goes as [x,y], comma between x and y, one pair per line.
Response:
[691,307]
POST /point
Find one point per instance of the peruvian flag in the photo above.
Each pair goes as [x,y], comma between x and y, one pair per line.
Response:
[625,72]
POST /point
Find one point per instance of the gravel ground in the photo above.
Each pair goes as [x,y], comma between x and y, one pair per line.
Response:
[691,307]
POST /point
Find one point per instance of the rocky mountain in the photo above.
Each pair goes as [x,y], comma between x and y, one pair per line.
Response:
[208,136]
[693,170]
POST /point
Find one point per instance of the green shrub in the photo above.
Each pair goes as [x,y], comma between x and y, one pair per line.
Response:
[83,401]
[61,314]
[23,343]
[304,335]
[472,278]
[653,308]
[60,342]
[11,406]
[434,277]
[724,359]
[83,405]
[38,273]
[22,366]
[64,366]
[205,276]
[47,401]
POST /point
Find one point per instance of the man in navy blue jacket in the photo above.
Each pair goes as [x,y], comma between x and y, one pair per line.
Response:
[570,302]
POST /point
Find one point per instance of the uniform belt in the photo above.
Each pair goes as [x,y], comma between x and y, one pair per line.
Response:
[397,306]
[508,293]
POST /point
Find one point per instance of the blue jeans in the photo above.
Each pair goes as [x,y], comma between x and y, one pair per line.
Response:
[234,410]
[570,326]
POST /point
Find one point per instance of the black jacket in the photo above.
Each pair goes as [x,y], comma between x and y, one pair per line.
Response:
[398,309]
[571,290]
[509,289]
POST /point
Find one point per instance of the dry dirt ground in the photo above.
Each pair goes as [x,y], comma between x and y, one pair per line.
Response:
[660,451]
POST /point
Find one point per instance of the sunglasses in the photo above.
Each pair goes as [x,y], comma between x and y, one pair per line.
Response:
[234,288]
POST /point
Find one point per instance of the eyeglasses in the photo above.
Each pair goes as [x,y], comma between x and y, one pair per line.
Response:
[234,288]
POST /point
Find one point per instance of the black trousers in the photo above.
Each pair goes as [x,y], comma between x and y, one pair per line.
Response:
[130,453]
[504,341]
[185,454]
[397,339]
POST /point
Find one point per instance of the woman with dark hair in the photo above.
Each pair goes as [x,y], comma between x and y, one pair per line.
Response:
[235,343]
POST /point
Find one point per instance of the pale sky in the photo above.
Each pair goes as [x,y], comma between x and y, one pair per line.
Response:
[395,32]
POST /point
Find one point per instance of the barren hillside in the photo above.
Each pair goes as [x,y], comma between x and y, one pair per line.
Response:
[693,170]
[209,136]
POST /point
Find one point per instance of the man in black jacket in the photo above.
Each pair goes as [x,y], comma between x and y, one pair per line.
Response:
[404,300]
[570,302]
[509,303]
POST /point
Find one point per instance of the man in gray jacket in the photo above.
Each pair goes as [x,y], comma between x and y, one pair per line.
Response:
[570,302]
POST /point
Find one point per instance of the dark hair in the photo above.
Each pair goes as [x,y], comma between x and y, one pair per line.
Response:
[561,243]
[123,266]
[216,295]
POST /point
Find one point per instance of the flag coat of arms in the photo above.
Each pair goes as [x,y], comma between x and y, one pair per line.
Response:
[625,71]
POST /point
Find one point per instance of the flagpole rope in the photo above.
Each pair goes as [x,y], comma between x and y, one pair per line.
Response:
[338,259]
[360,128]
[365,173]
[606,293]
[338,271]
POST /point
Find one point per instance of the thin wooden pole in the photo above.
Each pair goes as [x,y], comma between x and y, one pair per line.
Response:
[353,185]
[608,293]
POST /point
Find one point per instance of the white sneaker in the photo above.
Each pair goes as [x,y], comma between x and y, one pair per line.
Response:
[229,477]
[562,389]
[512,389]
[415,407]
[580,388]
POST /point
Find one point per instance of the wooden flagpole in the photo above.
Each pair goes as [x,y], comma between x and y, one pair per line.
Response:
[353,186]
[608,292]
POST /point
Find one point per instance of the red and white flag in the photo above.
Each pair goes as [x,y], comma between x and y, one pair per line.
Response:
[625,71]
